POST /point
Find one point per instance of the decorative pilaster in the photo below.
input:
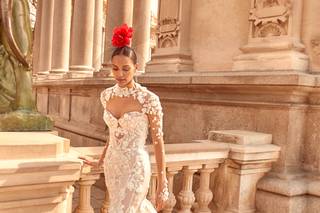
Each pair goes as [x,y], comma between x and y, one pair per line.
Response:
[274,38]
[172,53]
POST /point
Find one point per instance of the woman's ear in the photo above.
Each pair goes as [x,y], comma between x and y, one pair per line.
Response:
[136,65]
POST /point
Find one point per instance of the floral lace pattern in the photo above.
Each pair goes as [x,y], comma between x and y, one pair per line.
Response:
[127,164]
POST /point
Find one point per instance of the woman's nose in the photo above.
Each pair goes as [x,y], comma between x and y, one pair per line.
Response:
[119,73]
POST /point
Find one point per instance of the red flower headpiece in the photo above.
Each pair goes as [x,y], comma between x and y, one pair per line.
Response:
[122,36]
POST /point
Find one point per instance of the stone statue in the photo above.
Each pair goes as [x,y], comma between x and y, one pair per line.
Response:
[17,105]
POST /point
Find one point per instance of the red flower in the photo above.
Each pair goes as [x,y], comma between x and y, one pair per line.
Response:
[122,36]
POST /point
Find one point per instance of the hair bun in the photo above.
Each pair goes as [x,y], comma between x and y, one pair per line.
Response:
[122,36]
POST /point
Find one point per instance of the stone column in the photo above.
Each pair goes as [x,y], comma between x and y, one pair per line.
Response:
[46,36]
[97,35]
[37,37]
[172,53]
[61,38]
[274,38]
[141,26]
[82,39]
[118,12]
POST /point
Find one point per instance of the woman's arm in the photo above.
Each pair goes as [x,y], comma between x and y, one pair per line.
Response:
[155,117]
[100,162]
[157,140]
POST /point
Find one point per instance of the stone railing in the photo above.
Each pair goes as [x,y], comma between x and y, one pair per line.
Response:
[240,157]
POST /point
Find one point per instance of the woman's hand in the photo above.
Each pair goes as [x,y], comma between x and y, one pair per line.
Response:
[92,162]
[162,194]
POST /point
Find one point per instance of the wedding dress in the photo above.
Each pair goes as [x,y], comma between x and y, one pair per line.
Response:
[126,164]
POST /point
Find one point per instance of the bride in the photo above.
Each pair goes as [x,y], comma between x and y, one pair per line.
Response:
[130,111]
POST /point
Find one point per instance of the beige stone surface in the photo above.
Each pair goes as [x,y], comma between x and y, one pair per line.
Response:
[218,29]
[31,145]
[36,172]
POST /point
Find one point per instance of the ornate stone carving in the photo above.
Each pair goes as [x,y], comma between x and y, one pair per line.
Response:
[168,31]
[270,18]
[315,45]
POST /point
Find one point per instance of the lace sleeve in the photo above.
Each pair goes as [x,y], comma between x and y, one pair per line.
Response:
[154,109]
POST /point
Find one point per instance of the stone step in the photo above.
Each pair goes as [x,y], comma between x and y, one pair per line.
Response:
[32,145]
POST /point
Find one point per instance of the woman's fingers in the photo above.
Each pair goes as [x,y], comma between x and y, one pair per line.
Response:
[87,161]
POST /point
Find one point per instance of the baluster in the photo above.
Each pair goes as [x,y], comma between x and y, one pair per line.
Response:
[186,196]
[204,194]
[171,202]
[105,204]
[152,189]
[85,196]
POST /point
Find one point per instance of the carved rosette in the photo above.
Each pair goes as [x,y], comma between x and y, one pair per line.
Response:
[168,31]
[270,18]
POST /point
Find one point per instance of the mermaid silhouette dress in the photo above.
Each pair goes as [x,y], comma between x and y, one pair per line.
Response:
[127,166]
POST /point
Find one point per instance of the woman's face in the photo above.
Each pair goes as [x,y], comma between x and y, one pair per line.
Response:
[123,69]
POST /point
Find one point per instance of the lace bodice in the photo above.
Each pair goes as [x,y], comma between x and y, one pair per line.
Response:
[134,124]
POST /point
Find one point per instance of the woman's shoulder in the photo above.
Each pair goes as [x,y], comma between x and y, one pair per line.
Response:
[148,93]
[106,94]
[150,101]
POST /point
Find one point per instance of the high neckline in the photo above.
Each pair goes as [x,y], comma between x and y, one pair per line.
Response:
[125,91]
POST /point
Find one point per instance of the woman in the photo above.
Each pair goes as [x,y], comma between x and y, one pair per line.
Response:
[130,110]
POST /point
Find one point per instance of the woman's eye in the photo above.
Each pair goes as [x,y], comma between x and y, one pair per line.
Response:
[115,69]
[125,70]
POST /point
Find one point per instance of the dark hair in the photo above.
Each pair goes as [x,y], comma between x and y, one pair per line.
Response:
[126,51]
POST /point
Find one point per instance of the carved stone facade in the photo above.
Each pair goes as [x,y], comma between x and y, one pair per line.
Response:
[270,18]
[220,65]
[274,41]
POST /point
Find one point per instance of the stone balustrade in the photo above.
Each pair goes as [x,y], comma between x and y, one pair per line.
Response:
[240,159]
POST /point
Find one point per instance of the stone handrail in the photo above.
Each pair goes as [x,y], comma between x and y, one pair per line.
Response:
[241,157]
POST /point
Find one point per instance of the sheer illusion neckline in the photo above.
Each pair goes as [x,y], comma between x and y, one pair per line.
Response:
[122,116]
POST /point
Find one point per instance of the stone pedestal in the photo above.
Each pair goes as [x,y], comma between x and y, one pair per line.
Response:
[36,172]
[172,53]
[289,193]
[274,38]
[250,157]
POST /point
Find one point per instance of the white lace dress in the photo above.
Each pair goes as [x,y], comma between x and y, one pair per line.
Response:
[127,167]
